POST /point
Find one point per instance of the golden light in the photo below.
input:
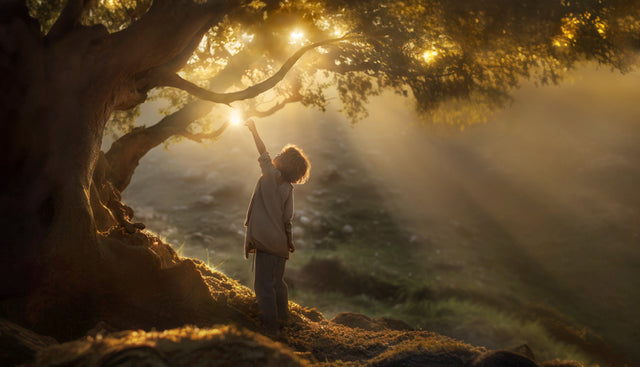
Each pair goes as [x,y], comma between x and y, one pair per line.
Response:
[296,37]
[235,118]
[429,55]
[110,4]
[247,38]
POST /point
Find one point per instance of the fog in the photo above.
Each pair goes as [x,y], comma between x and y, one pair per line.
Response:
[539,203]
[547,190]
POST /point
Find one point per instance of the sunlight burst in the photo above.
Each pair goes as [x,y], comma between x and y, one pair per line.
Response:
[247,38]
[338,32]
[429,55]
[110,4]
[235,118]
[296,37]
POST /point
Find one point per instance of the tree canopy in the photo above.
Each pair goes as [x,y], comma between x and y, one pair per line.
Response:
[458,60]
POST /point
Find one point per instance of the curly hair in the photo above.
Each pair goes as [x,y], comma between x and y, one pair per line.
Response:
[293,164]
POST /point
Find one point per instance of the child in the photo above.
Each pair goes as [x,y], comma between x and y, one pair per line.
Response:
[269,227]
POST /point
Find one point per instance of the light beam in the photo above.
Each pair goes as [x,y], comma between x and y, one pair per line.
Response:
[235,117]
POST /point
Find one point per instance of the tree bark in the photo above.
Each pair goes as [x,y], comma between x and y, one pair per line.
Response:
[59,274]
[125,153]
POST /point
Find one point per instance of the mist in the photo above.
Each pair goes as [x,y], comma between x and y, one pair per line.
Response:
[539,204]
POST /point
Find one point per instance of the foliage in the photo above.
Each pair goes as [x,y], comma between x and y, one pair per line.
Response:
[459,60]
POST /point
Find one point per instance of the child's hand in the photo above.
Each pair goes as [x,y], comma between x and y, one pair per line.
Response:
[292,248]
[250,124]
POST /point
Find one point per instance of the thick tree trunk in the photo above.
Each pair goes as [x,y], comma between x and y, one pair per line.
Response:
[58,274]
[48,150]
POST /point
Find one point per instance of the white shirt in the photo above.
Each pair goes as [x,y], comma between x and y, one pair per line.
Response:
[270,212]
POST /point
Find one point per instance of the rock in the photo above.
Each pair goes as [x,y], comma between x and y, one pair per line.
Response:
[298,231]
[503,358]
[357,320]
[394,324]
[206,199]
[347,229]
[524,350]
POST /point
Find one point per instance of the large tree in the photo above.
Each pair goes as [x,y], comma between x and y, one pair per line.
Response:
[70,67]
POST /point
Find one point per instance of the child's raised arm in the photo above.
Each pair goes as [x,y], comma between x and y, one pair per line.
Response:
[256,137]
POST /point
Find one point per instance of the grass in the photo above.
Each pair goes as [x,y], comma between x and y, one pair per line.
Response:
[463,320]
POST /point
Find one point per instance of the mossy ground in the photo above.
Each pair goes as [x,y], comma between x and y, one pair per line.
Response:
[309,339]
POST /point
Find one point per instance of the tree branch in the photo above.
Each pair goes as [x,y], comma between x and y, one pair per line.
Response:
[199,137]
[150,79]
[167,29]
[68,19]
[176,81]
[254,112]
[181,59]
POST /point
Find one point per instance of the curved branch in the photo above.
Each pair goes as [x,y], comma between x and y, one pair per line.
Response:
[176,81]
[199,137]
[126,152]
[254,112]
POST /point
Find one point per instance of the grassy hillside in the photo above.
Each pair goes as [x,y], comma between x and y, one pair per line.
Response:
[520,231]
[349,340]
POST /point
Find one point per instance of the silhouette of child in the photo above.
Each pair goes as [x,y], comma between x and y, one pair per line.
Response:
[268,225]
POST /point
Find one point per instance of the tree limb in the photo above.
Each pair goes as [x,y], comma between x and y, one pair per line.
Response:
[167,28]
[149,79]
[176,81]
[199,137]
[181,59]
[254,112]
[68,19]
